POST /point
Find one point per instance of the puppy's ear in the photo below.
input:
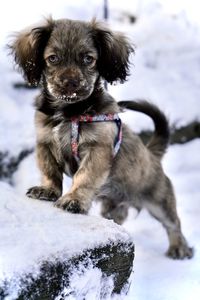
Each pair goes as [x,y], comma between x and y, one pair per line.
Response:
[114,53]
[28,48]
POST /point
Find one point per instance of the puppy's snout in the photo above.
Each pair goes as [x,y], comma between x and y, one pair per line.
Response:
[71,83]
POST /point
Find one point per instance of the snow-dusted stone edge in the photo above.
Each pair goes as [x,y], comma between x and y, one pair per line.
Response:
[46,253]
[53,279]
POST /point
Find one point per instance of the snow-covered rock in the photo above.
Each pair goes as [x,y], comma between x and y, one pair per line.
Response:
[47,253]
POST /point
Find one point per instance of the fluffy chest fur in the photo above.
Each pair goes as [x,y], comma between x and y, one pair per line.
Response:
[57,135]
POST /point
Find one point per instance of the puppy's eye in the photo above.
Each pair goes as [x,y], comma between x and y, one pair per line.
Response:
[88,59]
[53,59]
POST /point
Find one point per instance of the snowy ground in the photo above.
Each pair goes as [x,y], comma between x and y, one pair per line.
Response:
[166,71]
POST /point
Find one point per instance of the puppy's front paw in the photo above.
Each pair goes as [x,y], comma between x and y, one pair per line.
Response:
[42,193]
[71,205]
[180,252]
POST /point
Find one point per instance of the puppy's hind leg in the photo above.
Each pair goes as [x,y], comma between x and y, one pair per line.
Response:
[117,213]
[114,203]
[165,212]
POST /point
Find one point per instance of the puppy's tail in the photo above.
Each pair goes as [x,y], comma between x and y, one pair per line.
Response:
[160,140]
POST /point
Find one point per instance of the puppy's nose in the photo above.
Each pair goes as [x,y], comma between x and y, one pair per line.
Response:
[70,83]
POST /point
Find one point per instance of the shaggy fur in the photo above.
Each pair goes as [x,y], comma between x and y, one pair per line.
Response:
[69,59]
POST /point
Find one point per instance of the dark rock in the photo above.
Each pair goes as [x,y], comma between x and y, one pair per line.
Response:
[54,277]
[24,85]
[180,135]
[9,164]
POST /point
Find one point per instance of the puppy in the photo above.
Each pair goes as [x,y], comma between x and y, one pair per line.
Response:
[80,134]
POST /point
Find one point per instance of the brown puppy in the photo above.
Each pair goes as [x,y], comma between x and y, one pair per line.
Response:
[69,59]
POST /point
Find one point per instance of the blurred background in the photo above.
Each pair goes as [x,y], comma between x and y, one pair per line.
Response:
[166,71]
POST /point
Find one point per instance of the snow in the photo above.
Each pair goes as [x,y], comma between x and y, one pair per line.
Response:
[165,70]
[87,286]
[16,111]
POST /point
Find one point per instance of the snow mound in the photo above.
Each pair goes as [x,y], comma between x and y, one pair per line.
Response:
[35,231]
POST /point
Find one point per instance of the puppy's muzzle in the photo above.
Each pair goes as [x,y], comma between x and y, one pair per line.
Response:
[70,84]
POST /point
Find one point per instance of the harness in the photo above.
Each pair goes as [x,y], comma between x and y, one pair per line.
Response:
[75,125]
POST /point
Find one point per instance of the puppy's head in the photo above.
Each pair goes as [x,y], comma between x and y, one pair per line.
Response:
[68,57]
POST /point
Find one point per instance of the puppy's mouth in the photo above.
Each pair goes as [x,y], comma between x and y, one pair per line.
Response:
[65,96]
[68,98]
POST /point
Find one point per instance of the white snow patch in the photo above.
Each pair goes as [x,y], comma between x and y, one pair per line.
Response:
[83,286]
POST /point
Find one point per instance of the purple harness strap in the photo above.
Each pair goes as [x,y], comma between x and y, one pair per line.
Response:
[75,122]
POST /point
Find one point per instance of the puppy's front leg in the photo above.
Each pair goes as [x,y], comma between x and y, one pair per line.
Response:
[91,175]
[51,188]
